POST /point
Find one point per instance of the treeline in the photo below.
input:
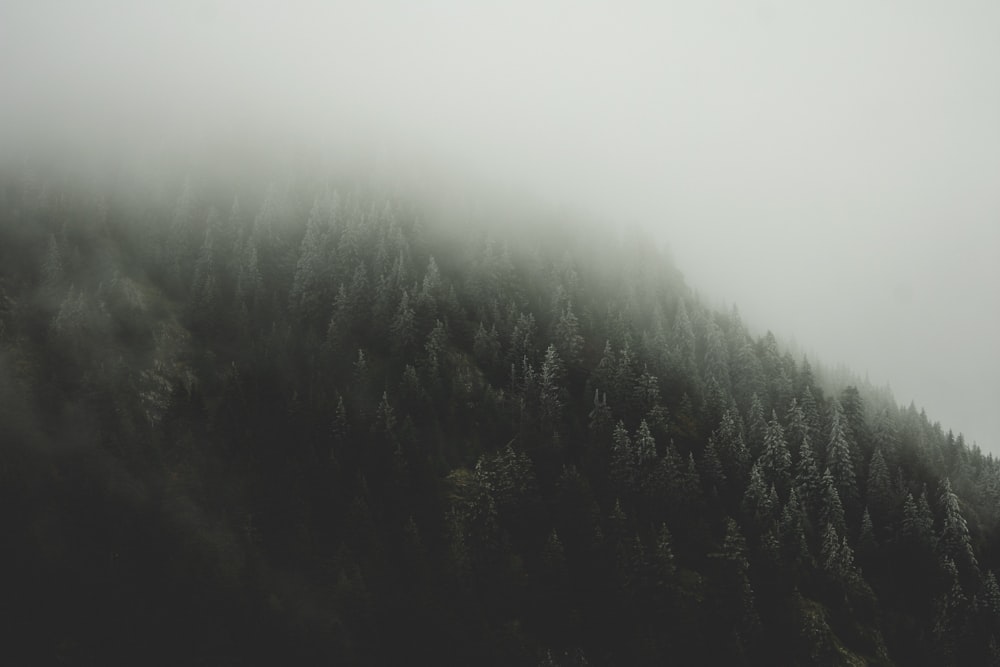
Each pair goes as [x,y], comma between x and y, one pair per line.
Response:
[317,424]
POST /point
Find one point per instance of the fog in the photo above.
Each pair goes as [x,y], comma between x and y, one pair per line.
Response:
[832,169]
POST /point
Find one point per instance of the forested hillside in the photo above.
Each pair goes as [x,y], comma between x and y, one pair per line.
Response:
[312,423]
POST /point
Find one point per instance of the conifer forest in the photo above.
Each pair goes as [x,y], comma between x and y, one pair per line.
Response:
[300,419]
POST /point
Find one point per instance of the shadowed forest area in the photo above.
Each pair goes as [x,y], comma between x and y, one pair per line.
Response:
[308,422]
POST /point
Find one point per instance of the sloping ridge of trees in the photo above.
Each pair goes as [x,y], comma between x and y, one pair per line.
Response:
[307,424]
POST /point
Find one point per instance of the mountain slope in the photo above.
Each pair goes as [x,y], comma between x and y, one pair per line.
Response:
[313,424]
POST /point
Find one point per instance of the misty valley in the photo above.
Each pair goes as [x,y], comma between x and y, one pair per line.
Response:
[305,419]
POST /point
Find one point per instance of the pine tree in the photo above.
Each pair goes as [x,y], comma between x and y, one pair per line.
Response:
[717,359]
[711,467]
[949,624]
[792,531]
[734,552]
[403,324]
[831,511]
[836,556]
[775,460]
[808,481]
[663,559]
[917,525]
[624,462]
[990,598]
[435,348]
[569,342]
[645,446]
[839,459]
[486,347]
[798,429]
[307,294]
[757,503]
[953,541]
[758,427]
[600,416]
[733,451]
[879,488]
[867,544]
[550,408]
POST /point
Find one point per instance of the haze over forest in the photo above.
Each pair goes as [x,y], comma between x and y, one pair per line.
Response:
[546,335]
[831,169]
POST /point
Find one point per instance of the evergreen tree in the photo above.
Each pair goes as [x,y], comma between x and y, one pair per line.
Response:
[733,451]
[734,550]
[949,624]
[569,342]
[867,544]
[711,468]
[486,346]
[808,482]
[550,407]
[775,460]
[403,324]
[880,496]
[839,459]
[757,426]
[645,446]
[664,567]
[831,511]
[953,541]
[792,531]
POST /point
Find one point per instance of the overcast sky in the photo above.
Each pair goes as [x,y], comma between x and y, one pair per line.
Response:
[832,167]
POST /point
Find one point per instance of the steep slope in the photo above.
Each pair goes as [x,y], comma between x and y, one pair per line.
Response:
[314,425]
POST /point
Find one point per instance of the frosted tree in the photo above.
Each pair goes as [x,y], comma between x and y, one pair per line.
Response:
[917,525]
[600,416]
[717,358]
[836,556]
[663,558]
[775,459]
[732,449]
[624,462]
[734,552]
[757,501]
[950,611]
[839,460]
[867,542]
[953,540]
[683,342]
[797,431]
[792,530]
[486,346]
[711,467]
[569,342]
[550,403]
[831,510]
[747,375]
[645,445]
[879,486]
[435,348]
[757,427]
[403,324]
[306,295]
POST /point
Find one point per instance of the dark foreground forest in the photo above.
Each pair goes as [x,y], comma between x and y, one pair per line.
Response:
[312,423]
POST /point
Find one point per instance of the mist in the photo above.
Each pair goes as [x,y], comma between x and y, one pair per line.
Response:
[832,170]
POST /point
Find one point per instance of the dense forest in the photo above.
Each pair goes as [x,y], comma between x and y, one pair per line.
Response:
[318,422]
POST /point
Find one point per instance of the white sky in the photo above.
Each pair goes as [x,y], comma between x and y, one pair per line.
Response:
[833,168]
